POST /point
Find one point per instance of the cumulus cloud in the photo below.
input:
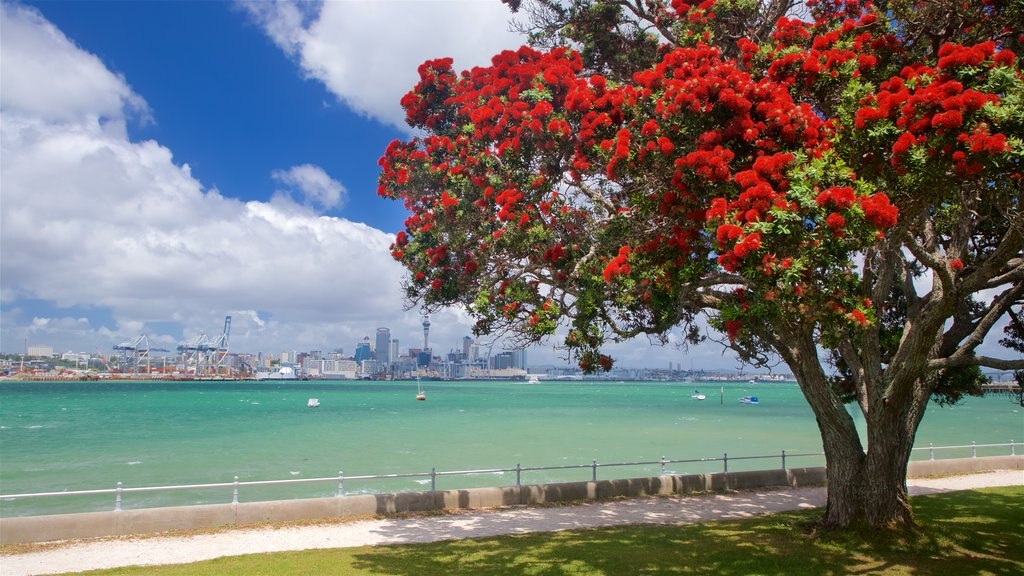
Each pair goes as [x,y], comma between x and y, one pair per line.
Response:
[93,220]
[366,53]
[313,184]
[79,88]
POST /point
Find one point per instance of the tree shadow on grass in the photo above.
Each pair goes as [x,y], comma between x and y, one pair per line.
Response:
[962,533]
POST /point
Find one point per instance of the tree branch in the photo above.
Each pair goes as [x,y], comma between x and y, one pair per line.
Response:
[972,360]
[1000,305]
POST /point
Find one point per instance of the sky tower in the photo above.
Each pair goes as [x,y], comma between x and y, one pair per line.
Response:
[426,333]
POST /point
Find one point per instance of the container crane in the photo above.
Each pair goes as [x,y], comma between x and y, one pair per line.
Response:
[133,352]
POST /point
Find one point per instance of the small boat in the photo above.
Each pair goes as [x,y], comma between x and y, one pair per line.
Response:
[749,400]
[313,403]
[420,394]
[697,395]
[533,380]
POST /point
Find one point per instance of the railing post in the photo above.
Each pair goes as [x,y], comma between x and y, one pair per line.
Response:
[433,479]
[117,498]
[974,450]
[725,460]
[662,465]
[519,471]
[931,451]
[1012,450]
[783,459]
[341,483]
[234,495]
[593,466]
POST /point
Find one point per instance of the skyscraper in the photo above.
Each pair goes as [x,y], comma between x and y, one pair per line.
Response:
[383,348]
[363,350]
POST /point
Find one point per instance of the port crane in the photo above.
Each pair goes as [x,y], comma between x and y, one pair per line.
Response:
[135,351]
[204,355]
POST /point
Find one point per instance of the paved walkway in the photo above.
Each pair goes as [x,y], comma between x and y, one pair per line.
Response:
[111,553]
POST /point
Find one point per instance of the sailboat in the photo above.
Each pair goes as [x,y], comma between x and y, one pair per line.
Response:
[697,395]
[420,394]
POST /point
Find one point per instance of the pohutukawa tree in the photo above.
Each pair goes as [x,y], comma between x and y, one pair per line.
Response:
[838,184]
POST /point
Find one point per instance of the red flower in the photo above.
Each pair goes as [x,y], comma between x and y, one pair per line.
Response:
[617,265]
[956,264]
[878,211]
[858,317]
[835,222]
[1004,58]
[732,328]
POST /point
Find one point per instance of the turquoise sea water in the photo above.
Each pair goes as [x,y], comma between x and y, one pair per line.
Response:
[90,435]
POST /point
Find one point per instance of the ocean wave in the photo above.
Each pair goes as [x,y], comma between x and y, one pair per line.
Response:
[135,462]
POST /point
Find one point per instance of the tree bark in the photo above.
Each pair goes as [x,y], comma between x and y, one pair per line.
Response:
[865,487]
[869,489]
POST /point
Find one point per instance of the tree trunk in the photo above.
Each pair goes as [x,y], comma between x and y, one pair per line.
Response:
[868,490]
[865,487]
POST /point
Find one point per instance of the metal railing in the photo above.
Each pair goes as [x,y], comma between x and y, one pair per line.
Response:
[518,469]
[974,448]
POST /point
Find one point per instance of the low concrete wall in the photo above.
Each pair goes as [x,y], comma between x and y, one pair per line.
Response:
[954,466]
[97,524]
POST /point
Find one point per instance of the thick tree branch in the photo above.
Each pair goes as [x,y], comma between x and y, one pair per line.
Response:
[1000,306]
[971,360]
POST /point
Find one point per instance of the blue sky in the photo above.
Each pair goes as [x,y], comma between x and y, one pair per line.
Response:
[165,164]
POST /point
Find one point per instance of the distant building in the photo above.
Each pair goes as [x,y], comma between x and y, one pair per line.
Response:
[363,350]
[519,359]
[502,361]
[340,369]
[383,349]
[38,351]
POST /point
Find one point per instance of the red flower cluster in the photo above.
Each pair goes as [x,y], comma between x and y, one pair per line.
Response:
[833,52]
[929,104]
[617,265]
[879,211]
[732,328]
[841,197]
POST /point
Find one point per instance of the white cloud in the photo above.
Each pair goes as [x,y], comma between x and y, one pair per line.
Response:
[367,53]
[313,184]
[46,76]
[93,220]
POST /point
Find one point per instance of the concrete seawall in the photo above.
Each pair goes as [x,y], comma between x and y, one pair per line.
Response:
[127,522]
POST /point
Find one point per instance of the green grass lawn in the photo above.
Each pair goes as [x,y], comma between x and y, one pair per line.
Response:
[974,532]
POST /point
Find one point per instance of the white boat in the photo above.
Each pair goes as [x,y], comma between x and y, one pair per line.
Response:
[420,394]
[697,395]
[749,400]
[533,380]
[313,403]
[282,373]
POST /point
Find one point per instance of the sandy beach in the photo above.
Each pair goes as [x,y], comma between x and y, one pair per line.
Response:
[111,553]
